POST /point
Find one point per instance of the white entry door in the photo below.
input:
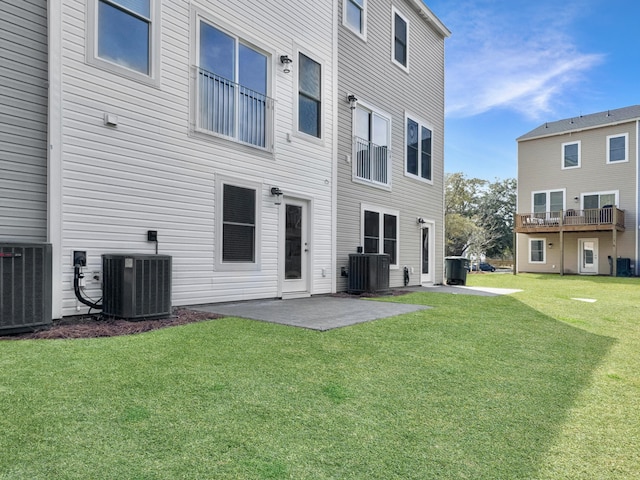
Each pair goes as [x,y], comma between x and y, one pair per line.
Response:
[426,253]
[588,252]
[296,249]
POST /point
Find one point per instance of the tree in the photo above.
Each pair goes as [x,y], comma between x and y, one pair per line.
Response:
[461,194]
[460,231]
[495,214]
[479,215]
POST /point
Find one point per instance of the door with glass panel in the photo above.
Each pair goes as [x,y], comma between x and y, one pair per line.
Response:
[426,242]
[296,248]
[588,252]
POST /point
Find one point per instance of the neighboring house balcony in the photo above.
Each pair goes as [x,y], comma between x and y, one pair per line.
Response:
[372,162]
[234,111]
[589,220]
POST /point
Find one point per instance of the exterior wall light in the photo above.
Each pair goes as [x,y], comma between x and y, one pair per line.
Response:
[286,62]
[276,192]
[420,221]
[353,101]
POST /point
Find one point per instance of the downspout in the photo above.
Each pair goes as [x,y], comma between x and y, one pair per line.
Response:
[54,156]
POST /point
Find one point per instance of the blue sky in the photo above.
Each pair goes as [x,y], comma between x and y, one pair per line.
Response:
[512,65]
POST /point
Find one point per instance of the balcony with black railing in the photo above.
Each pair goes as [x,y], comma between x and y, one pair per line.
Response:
[233,111]
[371,162]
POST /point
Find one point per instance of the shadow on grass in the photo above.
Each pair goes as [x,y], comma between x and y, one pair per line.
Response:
[476,387]
[495,383]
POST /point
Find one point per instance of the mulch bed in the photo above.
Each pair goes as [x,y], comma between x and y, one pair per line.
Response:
[94,326]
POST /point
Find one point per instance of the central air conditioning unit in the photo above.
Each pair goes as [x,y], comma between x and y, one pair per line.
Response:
[368,273]
[136,286]
[25,286]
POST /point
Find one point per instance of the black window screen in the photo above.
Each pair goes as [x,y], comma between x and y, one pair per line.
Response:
[238,224]
[371,232]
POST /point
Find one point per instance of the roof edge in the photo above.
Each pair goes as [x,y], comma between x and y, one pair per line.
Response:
[522,138]
[428,16]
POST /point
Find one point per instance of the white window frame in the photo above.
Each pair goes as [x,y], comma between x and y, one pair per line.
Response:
[626,148]
[382,212]
[91,51]
[544,251]
[219,212]
[394,12]
[296,91]
[197,16]
[354,153]
[548,199]
[608,192]
[360,34]
[421,123]
[577,142]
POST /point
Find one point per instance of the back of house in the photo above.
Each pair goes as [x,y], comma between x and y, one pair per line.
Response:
[578,195]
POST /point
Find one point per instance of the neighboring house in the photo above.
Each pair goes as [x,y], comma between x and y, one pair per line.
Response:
[23,120]
[578,194]
[391,137]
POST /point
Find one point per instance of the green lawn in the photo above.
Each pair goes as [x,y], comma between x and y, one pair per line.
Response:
[534,385]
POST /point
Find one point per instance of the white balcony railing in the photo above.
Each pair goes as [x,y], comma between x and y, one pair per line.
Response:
[372,162]
[234,111]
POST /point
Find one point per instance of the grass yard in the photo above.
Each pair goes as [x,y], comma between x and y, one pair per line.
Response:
[535,385]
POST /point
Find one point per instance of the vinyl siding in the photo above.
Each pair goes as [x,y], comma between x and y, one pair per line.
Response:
[151,172]
[539,168]
[379,83]
[23,120]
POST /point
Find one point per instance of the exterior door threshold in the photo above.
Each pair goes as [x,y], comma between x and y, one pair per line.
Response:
[291,295]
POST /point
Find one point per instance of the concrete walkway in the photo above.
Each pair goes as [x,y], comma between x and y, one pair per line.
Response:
[325,312]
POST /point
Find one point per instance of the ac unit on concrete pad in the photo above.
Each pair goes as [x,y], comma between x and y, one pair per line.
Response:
[25,286]
[136,286]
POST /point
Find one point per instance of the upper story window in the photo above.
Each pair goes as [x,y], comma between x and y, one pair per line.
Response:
[400,45]
[571,155]
[550,201]
[354,16]
[380,232]
[371,146]
[125,38]
[617,148]
[599,200]
[309,96]
[419,150]
[232,88]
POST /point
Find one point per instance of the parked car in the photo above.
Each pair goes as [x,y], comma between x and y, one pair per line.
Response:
[484,267]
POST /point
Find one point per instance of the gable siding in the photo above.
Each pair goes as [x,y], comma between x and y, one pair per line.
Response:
[150,172]
[23,120]
[378,82]
[539,168]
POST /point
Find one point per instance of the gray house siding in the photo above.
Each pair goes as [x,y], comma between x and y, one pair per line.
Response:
[380,84]
[23,120]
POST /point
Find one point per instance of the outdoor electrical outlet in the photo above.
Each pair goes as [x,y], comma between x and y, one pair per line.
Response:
[80,258]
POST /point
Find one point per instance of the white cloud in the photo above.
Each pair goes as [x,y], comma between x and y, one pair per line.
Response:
[521,59]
